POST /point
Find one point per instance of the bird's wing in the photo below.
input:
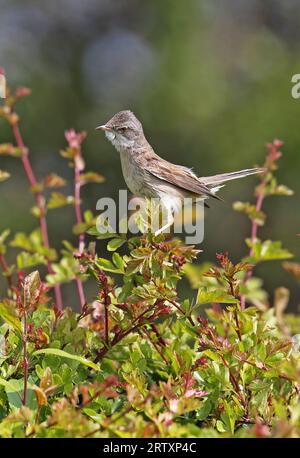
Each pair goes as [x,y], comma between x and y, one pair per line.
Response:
[177,175]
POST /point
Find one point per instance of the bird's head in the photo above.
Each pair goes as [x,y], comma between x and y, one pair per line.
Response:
[123,130]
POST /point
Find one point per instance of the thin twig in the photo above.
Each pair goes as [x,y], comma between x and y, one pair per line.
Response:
[237,325]
[135,325]
[116,340]
[39,202]
[102,426]
[254,228]
[91,399]
[106,303]
[106,324]
[156,347]
[160,338]
[25,358]
[176,305]
[77,187]
[5,269]
[238,328]
[236,387]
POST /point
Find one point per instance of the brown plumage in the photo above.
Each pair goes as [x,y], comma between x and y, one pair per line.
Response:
[148,175]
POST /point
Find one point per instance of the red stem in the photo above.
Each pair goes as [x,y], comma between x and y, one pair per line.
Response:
[106,323]
[182,311]
[158,336]
[237,325]
[116,340]
[78,215]
[5,269]
[238,329]
[77,206]
[258,207]
[25,359]
[103,426]
[156,347]
[40,203]
[236,387]
[254,227]
[118,337]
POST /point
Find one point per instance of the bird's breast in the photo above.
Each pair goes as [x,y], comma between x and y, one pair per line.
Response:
[134,175]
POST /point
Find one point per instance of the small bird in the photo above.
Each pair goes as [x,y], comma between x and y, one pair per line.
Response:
[148,175]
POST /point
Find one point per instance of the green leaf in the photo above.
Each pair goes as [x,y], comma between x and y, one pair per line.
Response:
[21,240]
[64,354]
[118,261]
[3,237]
[213,355]
[260,390]
[8,385]
[275,189]
[88,216]
[206,296]
[57,200]
[80,228]
[10,150]
[108,266]
[26,260]
[114,244]
[250,210]
[64,271]
[205,410]
[282,190]
[14,389]
[4,175]
[194,274]
[228,417]
[54,181]
[33,243]
[89,223]
[8,313]
[266,251]
[101,236]
[220,426]
[91,177]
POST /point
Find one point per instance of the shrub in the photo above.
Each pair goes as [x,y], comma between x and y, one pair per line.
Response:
[137,360]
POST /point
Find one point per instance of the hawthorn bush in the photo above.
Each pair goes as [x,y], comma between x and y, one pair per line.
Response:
[137,360]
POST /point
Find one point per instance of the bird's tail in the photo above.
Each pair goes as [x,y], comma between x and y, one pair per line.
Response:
[215,182]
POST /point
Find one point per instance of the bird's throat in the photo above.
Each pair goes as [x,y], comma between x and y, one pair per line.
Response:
[120,142]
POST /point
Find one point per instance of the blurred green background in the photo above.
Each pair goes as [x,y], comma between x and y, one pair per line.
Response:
[210,80]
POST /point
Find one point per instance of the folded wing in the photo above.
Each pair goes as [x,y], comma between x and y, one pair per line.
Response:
[178,176]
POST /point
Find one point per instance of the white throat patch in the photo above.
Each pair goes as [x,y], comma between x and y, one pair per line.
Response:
[110,135]
[120,142]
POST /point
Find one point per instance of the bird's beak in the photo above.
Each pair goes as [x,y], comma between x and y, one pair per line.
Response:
[103,127]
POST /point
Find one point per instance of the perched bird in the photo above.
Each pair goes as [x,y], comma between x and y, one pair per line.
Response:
[148,175]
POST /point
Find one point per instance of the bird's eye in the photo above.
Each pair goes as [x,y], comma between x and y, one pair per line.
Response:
[122,129]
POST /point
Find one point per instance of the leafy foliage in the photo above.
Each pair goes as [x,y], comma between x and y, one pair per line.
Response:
[138,360]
